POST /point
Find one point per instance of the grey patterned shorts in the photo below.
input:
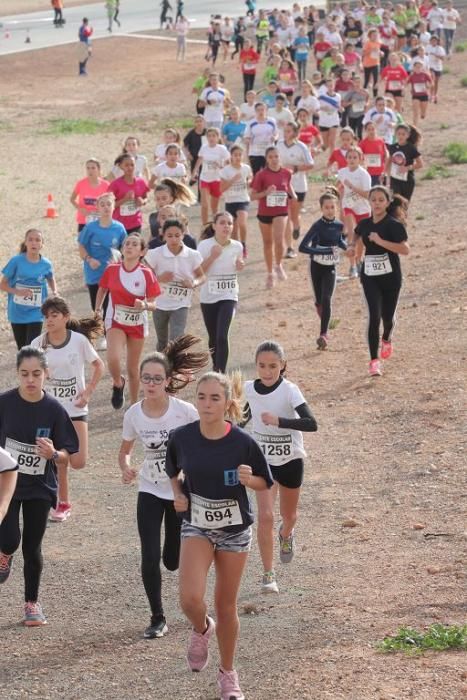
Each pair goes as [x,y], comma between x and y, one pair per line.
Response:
[220,539]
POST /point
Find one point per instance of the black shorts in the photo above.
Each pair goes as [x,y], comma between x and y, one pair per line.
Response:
[437,73]
[80,227]
[420,98]
[257,162]
[327,128]
[394,93]
[289,475]
[79,419]
[268,219]
[300,196]
[233,207]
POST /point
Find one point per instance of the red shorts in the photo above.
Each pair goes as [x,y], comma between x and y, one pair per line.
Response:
[357,217]
[213,187]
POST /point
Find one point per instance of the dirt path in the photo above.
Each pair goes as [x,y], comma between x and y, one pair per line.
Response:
[389,453]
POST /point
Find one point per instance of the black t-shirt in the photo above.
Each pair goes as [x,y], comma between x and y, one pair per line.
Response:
[210,468]
[404,155]
[20,423]
[193,142]
[390,230]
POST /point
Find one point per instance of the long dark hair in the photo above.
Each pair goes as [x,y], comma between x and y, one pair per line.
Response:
[178,362]
[208,231]
[28,351]
[90,327]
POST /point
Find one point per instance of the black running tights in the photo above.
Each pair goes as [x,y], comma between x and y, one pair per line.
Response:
[382,295]
[217,319]
[323,278]
[24,333]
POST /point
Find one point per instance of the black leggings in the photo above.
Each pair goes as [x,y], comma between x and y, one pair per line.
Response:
[151,510]
[248,83]
[25,332]
[93,288]
[35,514]
[323,278]
[368,72]
[403,187]
[217,319]
[356,123]
[382,294]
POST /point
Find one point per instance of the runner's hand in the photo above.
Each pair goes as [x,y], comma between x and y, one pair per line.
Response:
[187,282]
[239,264]
[129,475]
[45,447]
[181,503]
[82,398]
[93,263]
[140,304]
[270,189]
[23,292]
[245,473]
[270,419]
[374,237]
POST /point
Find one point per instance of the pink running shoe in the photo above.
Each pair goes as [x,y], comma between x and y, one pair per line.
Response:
[228,685]
[33,615]
[386,349]
[198,647]
[280,273]
[374,368]
[61,513]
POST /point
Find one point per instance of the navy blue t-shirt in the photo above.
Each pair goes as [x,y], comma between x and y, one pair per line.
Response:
[323,236]
[210,467]
[20,423]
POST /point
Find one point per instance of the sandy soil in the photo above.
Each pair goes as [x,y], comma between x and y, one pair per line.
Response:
[389,453]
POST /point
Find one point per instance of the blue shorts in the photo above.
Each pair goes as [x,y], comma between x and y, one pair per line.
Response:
[222,540]
[233,207]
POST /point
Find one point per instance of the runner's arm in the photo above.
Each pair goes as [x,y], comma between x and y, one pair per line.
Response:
[306,422]
[124,461]
[7,489]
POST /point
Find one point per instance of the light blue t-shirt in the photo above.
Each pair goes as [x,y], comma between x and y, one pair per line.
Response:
[232,131]
[21,272]
[302,47]
[99,242]
[268,99]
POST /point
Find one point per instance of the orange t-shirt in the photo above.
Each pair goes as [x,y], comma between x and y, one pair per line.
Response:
[371,54]
[87,197]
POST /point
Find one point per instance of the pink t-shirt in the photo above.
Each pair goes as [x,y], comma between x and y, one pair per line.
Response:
[128,213]
[87,197]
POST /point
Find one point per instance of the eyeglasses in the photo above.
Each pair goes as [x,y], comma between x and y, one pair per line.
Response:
[147,379]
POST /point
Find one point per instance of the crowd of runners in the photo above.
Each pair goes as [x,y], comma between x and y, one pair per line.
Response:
[343,93]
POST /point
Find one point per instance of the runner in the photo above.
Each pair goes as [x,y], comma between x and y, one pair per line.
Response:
[272,188]
[171,137]
[338,157]
[435,53]
[295,156]
[281,114]
[376,155]
[249,59]
[194,139]
[385,239]
[421,82]
[169,193]
[308,99]
[214,99]
[26,278]
[235,181]
[178,269]
[211,159]
[330,107]
[67,346]
[222,260]
[280,414]
[260,134]
[8,479]
[357,100]
[132,289]
[404,159]
[86,192]
[371,59]
[395,78]
[322,243]
[383,118]
[233,130]
[219,465]
[131,146]
[247,109]
[130,194]
[36,430]
[170,167]
[227,32]
[182,27]
[150,421]
[308,133]
[450,21]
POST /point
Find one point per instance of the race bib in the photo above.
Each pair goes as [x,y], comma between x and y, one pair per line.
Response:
[213,515]
[62,389]
[276,199]
[275,445]
[326,258]
[218,284]
[358,106]
[249,66]
[374,55]
[175,290]
[419,88]
[394,85]
[376,265]
[373,160]
[26,457]
[128,315]
[33,299]
[397,173]
[129,208]
[91,217]
[212,165]
[154,462]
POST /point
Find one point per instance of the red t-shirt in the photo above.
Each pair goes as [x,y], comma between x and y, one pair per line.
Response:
[321,48]
[307,134]
[128,213]
[281,180]
[375,153]
[419,82]
[339,156]
[249,58]
[387,34]
[394,77]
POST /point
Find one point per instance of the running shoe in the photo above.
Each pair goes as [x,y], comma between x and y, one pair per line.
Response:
[322,342]
[290,253]
[228,685]
[270,281]
[156,630]
[286,547]
[353,272]
[101,343]
[117,399]
[33,615]
[280,273]
[6,561]
[269,584]
[61,513]
[374,368]
[296,234]
[386,349]
[198,647]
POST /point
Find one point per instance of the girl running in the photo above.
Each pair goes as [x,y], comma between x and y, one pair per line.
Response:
[330,108]
[150,421]
[131,146]
[130,194]
[219,462]
[371,59]
[171,137]
[322,243]
[420,82]
[211,159]
[260,134]
[38,433]
[280,414]
[384,239]
[376,154]
[169,193]
[436,54]
[66,343]
[395,77]
[222,260]
[86,192]
[26,278]
[308,99]
[132,289]
[178,269]
[307,132]
[404,159]
[170,167]
[338,157]
[357,102]
[8,479]
[235,181]
[272,187]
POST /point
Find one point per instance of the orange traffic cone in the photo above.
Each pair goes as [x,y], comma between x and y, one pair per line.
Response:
[51,212]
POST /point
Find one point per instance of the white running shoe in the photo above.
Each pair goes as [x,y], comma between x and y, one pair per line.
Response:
[269,584]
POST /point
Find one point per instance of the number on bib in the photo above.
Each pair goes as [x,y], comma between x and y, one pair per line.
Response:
[128,315]
[276,199]
[376,265]
[212,515]
[26,457]
[33,299]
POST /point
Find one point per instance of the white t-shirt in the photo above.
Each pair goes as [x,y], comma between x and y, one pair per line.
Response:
[384,123]
[284,36]
[333,38]
[281,118]
[154,434]
[222,280]
[141,163]
[238,192]
[247,112]
[159,153]
[214,159]
[164,170]
[174,294]
[451,18]
[435,56]
[435,18]
[311,103]
[261,135]
[280,445]
[66,369]
[329,108]
[424,38]
[351,200]
[214,110]
[296,154]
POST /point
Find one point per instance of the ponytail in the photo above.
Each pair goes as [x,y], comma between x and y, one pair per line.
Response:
[181,194]
[91,327]
[179,364]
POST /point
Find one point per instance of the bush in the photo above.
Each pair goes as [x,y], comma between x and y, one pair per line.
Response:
[460,48]
[464,81]
[436,171]
[456,152]
[436,638]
